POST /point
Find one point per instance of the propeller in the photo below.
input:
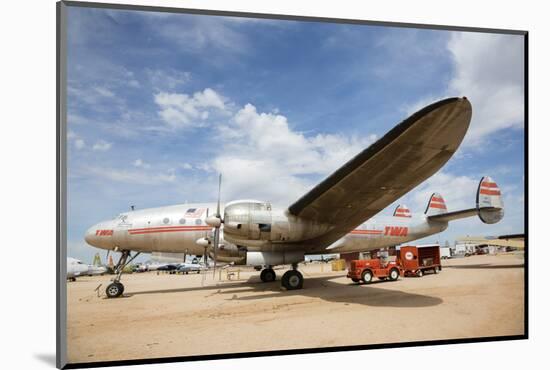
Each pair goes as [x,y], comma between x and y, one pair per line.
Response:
[216,221]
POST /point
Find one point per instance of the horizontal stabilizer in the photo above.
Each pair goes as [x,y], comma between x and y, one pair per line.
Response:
[489,206]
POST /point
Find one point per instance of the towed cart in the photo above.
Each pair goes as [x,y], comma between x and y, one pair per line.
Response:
[416,260]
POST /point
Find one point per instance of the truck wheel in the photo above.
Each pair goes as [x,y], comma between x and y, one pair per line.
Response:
[355,280]
[420,273]
[366,276]
[394,274]
[435,270]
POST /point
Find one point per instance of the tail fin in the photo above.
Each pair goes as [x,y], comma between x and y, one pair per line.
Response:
[489,201]
[402,211]
[436,205]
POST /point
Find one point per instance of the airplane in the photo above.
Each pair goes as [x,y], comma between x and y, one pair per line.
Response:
[336,216]
[190,267]
[76,268]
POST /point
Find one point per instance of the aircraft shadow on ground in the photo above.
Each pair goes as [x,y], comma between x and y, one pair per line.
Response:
[315,287]
[486,266]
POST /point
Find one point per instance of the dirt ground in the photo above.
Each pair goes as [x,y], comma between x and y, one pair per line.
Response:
[181,315]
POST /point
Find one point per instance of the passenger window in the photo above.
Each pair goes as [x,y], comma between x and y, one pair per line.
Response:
[198,221]
[182,221]
[166,220]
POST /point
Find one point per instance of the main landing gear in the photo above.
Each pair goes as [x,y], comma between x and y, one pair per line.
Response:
[115,289]
[293,279]
[268,275]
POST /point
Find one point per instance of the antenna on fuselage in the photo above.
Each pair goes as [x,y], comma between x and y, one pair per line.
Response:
[132,208]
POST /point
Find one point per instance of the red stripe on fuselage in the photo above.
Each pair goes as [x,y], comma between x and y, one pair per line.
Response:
[373,232]
[167,229]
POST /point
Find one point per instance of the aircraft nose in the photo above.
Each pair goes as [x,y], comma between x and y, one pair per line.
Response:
[90,236]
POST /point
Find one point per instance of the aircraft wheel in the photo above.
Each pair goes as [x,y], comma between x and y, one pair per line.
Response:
[292,280]
[268,275]
[366,276]
[114,290]
[394,274]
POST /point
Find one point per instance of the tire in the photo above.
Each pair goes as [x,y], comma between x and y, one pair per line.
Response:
[366,276]
[394,274]
[292,280]
[355,280]
[420,273]
[114,290]
[268,275]
[435,270]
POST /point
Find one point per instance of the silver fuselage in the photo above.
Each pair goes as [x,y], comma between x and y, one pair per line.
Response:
[169,229]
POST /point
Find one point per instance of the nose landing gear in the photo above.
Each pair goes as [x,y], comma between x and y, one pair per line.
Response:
[115,289]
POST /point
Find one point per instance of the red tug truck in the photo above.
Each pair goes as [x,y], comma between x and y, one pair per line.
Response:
[410,261]
[365,270]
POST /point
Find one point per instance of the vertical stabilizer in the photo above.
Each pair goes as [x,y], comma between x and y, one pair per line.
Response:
[402,211]
[489,201]
[436,205]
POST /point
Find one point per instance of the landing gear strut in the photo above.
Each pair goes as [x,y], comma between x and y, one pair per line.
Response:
[115,289]
[292,279]
[268,275]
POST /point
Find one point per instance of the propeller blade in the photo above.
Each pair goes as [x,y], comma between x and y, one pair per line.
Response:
[219,192]
[216,244]
[217,228]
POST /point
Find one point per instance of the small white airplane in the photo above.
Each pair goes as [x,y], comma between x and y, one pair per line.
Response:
[76,268]
[336,216]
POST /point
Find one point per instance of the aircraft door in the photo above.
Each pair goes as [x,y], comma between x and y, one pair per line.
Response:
[120,232]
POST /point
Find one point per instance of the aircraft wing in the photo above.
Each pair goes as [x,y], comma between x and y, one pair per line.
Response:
[403,158]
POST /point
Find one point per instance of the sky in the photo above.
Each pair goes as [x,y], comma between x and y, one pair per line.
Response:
[159,104]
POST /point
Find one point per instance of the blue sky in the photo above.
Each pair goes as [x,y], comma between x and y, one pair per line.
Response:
[159,104]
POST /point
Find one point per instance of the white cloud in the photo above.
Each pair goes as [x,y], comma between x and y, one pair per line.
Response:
[102,146]
[262,157]
[103,91]
[186,166]
[138,177]
[182,110]
[488,69]
[140,163]
[168,79]
[79,144]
